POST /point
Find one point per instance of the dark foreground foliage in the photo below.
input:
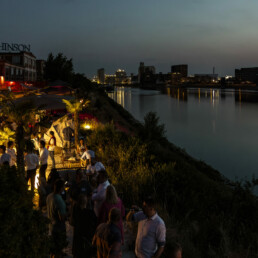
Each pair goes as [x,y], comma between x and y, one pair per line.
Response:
[23,230]
[208,214]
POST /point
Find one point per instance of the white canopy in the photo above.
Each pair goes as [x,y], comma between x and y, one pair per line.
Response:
[58,128]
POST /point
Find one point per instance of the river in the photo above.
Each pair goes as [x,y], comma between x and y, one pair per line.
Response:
[217,126]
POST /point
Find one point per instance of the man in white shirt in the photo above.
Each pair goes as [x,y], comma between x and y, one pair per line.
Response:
[51,148]
[11,152]
[87,156]
[99,194]
[31,163]
[151,236]
[94,166]
[43,156]
[4,158]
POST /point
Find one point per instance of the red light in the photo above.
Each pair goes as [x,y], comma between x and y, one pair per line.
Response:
[2,80]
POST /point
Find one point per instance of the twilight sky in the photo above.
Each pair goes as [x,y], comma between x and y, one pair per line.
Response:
[119,34]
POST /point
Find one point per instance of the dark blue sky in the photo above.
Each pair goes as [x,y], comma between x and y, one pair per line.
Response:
[119,34]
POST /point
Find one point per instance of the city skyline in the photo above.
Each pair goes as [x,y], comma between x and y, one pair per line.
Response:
[117,34]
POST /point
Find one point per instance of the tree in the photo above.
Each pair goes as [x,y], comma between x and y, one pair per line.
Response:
[21,113]
[6,135]
[81,81]
[59,68]
[151,129]
[75,107]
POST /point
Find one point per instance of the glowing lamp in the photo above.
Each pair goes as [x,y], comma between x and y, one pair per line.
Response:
[87,127]
[2,80]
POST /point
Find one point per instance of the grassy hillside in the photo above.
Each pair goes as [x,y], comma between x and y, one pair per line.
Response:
[210,215]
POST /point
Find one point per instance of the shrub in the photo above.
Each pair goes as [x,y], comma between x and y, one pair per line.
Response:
[125,160]
[209,216]
[23,230]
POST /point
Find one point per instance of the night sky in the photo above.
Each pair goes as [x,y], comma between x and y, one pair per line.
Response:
[119,34]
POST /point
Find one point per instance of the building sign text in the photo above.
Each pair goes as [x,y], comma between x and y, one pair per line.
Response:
[14,47]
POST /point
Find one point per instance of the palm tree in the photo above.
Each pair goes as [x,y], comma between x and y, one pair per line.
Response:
[21,113]
[74,107]
[6,135]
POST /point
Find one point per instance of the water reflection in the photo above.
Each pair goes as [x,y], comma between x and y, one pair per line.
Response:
[246,96]
[211,94]
[218,126]
[176,93]
[223,94]
[182,94]
[122,94]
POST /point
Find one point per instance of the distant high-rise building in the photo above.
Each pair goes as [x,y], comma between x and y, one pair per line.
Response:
[110,79]
[146,73]
[247,74]
[101,75]
[134,79]
[182,69]
[120,76]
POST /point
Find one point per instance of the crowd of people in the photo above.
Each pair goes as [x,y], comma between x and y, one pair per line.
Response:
[97,219]
[35,156]
[90,204]
[96,213]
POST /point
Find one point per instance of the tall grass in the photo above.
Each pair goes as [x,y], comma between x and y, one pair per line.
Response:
[209,215]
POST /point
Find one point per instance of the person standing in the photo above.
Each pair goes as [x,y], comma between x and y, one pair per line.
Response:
[31,163]
[81,147]
[11,152]
[112,201]
[151,235]
[99,194]
[52,177]
[107,237]
[56,211]
[51,148]
[67,135]
[84,222]
[87,156]
[5,158]
[94,167]
[79,186]
[43,156]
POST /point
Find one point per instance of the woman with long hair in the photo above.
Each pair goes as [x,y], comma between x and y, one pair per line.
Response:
[112,201]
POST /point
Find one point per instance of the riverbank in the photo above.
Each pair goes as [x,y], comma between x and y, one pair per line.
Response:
[202,208]
[249,87]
